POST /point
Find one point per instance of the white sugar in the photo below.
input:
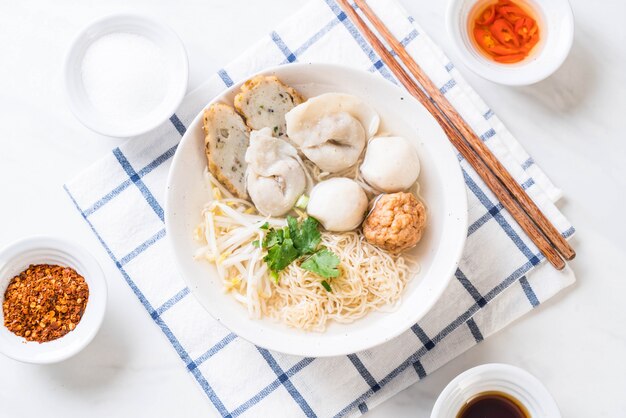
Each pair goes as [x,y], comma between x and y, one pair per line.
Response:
[125,76]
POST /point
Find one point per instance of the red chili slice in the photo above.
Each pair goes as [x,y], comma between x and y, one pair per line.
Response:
[510,59]
[503,50]
[487,17]
[504,32]
[484,38]
[511,10]
[525,28]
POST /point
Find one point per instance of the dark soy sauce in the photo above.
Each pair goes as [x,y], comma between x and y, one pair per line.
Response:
[493,405]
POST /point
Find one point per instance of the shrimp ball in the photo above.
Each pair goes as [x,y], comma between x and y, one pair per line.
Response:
[396,222]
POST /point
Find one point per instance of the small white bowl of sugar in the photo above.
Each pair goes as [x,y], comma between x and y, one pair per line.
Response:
[125,75]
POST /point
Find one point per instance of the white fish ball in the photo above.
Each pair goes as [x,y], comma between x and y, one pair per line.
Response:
[339,204]
[391,164]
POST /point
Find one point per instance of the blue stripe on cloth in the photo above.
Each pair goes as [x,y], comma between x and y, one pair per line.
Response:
[284,379]
[569,232]
[489,134]
[208,390]
[411,19]
[528,183]
[158,161]
[171,302]
[526,164]
[488,114]
[419,369]
[256,398]
[282,46]
[302,49]
[204,384]
[483,219]
[141,248]
[482,197]
[211,351]
[365,46]
[134,177]
[403,366]
[363,408]
[516,275]
[178,124]
[407,39]
[405,42]
[428,343]
[113,193]
[225,77]
[446,87]
[365,374]
[449,66]
[473,327]
[126,183]
[271,387]
[471,289]
[530,293]
[460,320]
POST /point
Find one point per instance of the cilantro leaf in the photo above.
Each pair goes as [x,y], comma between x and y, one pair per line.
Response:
[295,241]
[273,237]
[281,255]
[323,263]
[306,236]
[292,224]
[265,226]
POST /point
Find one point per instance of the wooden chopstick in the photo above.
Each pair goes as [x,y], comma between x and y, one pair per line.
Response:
[477,144]
[473,150]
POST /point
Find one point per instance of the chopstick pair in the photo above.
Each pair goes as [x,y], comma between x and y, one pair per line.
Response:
[512,196]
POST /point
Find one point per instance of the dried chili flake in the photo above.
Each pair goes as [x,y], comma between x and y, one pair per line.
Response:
[45,302]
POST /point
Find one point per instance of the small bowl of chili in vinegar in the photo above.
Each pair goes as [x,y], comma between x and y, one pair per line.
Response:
[512,42]
[506,31]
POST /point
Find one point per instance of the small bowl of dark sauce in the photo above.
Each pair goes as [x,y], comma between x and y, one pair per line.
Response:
[493,405]
[495,391]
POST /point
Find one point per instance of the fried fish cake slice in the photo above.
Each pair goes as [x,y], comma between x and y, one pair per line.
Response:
[264,100]
[226,139]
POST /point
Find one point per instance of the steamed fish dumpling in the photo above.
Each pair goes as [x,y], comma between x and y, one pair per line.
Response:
[391,164]
[315,108]
[343,144]
[339,204]
[275,177]
[332,129]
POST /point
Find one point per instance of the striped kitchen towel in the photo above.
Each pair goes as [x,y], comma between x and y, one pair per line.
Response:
[502,275]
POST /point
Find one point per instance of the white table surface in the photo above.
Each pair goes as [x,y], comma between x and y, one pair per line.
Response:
[570,124]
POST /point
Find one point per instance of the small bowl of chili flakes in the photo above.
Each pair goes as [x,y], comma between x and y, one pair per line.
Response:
[511,42]
[53,299]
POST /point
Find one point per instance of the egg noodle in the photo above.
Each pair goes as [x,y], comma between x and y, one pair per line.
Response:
[370,278]
[353,173]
